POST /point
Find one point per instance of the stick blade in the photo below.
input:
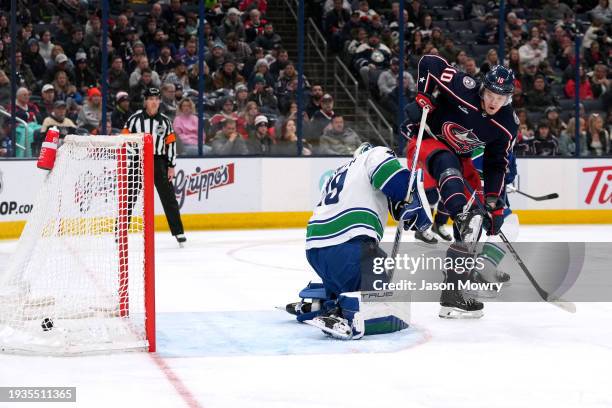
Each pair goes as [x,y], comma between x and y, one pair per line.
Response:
[563,304]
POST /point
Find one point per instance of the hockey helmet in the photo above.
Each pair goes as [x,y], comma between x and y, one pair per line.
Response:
[499,80]
[364,147]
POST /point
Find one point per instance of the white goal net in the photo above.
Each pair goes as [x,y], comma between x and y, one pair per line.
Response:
[81,279]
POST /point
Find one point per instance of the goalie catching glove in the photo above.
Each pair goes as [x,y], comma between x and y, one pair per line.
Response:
[414,213]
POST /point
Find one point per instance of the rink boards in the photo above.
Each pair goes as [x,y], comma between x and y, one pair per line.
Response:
[255,192]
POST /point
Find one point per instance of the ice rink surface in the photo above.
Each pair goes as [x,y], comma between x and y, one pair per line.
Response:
[221,343]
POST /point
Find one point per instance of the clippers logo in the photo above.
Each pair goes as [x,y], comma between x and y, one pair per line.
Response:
[461,139]
[202,181]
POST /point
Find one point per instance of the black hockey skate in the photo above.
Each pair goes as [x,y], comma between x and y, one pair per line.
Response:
[426,236]
[181,239]
[455,306]
[298,308]
[439,230]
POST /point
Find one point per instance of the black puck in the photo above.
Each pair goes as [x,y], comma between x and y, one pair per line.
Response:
[47,324]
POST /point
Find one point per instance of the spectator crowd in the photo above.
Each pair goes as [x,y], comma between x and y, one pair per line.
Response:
[250,82]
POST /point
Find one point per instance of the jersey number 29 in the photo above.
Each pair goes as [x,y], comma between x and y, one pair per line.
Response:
[333,188]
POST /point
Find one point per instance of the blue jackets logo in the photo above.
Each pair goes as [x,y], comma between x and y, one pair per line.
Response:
[460,138]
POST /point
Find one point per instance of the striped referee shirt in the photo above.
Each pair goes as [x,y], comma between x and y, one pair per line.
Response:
[160,128]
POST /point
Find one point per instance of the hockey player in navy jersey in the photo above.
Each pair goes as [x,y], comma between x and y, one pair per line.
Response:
[463,115]
[342,242]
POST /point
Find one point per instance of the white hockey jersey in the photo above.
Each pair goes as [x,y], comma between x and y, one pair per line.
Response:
[352,202]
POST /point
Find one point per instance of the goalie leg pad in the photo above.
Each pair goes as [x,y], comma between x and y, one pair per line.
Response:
[373,317]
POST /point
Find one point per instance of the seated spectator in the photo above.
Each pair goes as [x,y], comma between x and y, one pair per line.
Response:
[524,143]
[287,144]
[280,63]
[585,86]
[168,105]
[338,139]
[372,59]
[227,77]
[118,79]
[242,96]
[186,127]
[5,89]
[91,113]
[490,61]
[189,53]
[514,63]
[321,118]
[535,51]
[57,117]
[603,11]
[236,49]
[47,102]
[232,24]
[164,63]
[143,64]
[472,69]
[598,139]
[268,39]
[227,111]
[489,34]
[137,91]
[286,77]
[215,58]
[417,45]
[84,77]
[545,143]
[248,5]
[262,69]
[264,96]
[45,46]
[64,90]
[388,79]
[555,11]
[553,120]
[358,39]
[592,56]
[460,60]
[25,77]
[227,141]
[254,25]
[316,94]
[448,51]
[518,98]
[260,141]
[247,116]
[34,60]
[600,84]
[567,140]
[24,109]
[333,22]
[122,110]
[138,53]
[539,98]
[180,76]
[249,65]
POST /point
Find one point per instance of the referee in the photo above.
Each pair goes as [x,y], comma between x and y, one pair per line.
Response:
[150,120]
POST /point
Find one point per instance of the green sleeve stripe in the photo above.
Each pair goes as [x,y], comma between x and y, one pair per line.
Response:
[343,222]
[385,172]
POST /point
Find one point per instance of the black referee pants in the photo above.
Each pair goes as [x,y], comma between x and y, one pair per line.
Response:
[166,195]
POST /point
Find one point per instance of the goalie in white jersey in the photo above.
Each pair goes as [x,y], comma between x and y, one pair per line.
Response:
[342,241]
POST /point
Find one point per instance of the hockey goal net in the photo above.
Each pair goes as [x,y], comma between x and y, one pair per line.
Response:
[82,277]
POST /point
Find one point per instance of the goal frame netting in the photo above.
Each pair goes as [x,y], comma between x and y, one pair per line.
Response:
[125,215]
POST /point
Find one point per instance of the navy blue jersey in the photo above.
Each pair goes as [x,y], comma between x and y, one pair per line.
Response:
[460,122]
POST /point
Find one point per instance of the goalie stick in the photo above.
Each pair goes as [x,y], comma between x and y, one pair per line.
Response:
[551,196]
[400,226]
[557,301]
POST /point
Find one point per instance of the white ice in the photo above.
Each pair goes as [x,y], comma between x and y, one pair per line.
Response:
[221,343]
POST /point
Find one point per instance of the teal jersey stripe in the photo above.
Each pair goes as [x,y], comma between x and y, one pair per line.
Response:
[385,172]
[345,221]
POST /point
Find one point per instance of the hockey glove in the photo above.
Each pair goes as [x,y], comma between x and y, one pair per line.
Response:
[425,100]
[495,209]
[416,214]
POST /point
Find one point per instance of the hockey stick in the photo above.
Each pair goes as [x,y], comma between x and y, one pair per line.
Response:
[551,196]
[560,303]
[400,226]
